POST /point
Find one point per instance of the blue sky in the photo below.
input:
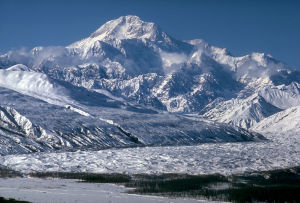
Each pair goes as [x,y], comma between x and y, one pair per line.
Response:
[242,26]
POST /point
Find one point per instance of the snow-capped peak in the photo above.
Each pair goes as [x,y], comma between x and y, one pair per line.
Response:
[125,27]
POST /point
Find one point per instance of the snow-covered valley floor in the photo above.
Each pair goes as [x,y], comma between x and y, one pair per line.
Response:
[282,151]
[61,190]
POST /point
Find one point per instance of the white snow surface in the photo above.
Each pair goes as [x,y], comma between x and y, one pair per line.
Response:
[69,191]
[125,27]
[287,121]
[33,84]
[18,67]
[282,151]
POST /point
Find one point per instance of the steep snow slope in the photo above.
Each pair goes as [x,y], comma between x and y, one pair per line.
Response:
[283,96]
[18,67]
[123,28]
[57,92]
[31,83]
[242,112]
[287,121]
[258,100]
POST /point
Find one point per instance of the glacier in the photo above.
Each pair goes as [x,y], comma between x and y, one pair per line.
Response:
[281,151]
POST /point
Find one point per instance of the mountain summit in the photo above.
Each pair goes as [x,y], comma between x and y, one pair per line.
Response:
[128,27]
[125,28]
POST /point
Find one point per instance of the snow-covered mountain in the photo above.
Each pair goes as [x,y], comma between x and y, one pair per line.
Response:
[124,78]
[286,121]
[30,124]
